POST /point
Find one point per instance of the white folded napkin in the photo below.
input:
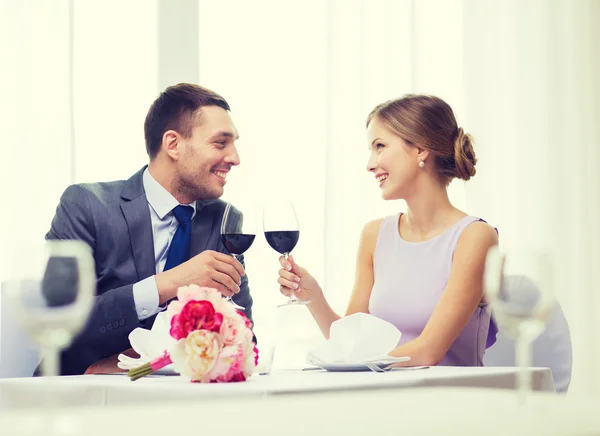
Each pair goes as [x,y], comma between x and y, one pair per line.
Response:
[357,338]
[149,344]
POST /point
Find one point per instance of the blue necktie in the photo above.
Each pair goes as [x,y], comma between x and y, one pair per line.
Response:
[179,251]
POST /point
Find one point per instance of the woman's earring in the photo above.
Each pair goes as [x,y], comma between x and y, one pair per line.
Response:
[422,164]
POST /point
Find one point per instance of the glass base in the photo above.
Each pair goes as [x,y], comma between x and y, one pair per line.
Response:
[295,302]
[234,304]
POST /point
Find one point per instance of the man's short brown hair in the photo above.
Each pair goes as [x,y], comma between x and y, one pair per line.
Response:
[177,109]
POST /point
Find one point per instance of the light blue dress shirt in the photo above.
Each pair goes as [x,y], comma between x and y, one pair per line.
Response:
[164,225]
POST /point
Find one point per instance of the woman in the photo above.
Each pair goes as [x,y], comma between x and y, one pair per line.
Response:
[421,270]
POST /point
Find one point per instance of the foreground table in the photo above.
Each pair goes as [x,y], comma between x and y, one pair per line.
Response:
[425,411]
[118,389]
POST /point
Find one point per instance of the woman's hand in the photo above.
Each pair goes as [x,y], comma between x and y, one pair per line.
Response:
[294,278]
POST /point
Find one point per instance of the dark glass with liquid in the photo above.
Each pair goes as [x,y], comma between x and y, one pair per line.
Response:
[282,241]
[237,243]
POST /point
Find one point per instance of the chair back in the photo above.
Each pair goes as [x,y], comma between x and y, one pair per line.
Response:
[552,349]
[19,356]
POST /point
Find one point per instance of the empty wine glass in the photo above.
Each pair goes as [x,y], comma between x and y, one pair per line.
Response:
[238,230]
[282,233]
[519,285]
[52,291]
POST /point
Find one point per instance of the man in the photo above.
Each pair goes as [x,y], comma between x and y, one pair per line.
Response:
[160,229]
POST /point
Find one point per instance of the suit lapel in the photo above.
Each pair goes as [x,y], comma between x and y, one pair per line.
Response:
[135,210]
[206,222]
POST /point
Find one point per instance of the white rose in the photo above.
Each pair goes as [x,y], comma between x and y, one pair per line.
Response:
[196,355]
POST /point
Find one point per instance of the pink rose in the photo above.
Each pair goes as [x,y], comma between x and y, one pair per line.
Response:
[195,356]
[195,315]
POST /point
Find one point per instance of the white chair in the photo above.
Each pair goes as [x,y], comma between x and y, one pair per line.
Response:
[19,356]
[552,349]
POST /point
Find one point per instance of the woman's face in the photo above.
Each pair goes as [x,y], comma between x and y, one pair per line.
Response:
[393,162]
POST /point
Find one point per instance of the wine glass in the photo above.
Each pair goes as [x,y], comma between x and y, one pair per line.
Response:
[52,291]
[282,233]
[238,231]
[519,286]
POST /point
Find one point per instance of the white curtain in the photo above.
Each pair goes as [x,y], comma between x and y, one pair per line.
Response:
[532,69]
[377,51]
[35,115]
[76,81]
[76,84]
[301,81]
[301,78]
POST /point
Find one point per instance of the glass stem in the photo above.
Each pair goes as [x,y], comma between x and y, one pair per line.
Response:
[293,296]
[50,362]
[235,256]
[523,357]
[50,368]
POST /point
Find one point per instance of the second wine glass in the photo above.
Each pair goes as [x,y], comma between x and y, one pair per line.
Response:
[519,285]
[238,230]
[52,293]
[50,290]
[282,232]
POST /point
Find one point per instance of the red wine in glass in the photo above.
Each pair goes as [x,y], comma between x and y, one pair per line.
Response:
[282,241]
[237,243]
[282,233]
[238,231]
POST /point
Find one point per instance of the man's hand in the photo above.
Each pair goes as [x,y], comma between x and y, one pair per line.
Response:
[209,268]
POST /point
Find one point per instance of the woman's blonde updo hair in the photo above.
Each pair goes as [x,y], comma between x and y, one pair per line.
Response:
[428,122]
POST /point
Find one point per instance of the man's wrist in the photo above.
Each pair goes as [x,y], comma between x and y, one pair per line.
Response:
[166,285]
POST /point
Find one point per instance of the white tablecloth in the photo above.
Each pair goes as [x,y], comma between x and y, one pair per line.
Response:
[426,411]
[118,389]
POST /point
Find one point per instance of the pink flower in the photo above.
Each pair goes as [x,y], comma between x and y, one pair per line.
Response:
[174,308]
[214,341]
[195,356]
[195,315]
[255,350]
[239,377]
[250,362]
[191,292]
[233,330]
[227,364]
[231,365]
[194,293]
[245,318]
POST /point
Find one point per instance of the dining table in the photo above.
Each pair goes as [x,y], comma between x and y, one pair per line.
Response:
[118,389]
[402,410]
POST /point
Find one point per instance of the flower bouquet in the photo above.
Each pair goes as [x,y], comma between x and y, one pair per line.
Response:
[214,341]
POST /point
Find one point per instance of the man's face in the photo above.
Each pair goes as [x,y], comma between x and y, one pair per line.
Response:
[207,156]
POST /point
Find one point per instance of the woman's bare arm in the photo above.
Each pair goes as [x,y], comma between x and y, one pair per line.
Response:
[463,293]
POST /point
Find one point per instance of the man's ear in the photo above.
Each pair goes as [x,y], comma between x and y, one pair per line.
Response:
[170,144]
